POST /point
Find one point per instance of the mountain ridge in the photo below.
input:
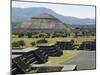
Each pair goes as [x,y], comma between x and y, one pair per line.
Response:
[24,14]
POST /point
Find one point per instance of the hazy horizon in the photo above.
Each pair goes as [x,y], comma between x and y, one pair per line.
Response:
[65,10]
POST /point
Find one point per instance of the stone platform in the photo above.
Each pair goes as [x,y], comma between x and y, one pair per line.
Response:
[50,49]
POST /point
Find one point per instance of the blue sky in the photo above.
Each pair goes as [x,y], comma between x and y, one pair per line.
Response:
[66,10]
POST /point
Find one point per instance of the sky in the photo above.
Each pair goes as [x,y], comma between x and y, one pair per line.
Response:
[78,11]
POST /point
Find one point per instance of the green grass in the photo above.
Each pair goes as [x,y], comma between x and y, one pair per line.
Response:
[77,40]
[66,56]
[67,53]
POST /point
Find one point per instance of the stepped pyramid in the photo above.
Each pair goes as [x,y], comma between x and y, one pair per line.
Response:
[44,23]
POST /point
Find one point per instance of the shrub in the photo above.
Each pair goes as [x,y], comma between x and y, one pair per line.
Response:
[15,44]
[21,43]
[42,41]
[29,35]
[32,43]
[20,35]
[72,41]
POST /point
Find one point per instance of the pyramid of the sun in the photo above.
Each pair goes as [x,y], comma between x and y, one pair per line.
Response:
[43,23]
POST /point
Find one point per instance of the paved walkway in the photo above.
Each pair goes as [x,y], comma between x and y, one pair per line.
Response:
[84,60]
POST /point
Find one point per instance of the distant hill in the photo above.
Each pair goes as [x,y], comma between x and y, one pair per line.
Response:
[23,14]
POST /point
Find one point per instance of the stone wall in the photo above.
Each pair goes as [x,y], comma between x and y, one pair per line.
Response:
[30,57]
[87,45]
[50,49]
[65,45]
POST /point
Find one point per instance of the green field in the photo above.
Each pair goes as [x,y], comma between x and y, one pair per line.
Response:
[77,40]
[67,54]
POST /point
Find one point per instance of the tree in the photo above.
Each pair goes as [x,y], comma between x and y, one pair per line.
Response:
[15,44]
[20,35]
[32,43]
[72,41]
[76,34]
[42,41]
[21,43]
[92,33]
[29,35]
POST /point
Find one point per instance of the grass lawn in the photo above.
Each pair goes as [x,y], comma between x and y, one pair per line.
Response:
[77,40]
[67,54]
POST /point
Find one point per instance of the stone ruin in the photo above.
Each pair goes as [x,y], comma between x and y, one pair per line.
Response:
[29,56]
[87,45]
[54,68]
[65,45]
[20,67]
[34,60]
[43,23]
[50,49]
[29,53]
